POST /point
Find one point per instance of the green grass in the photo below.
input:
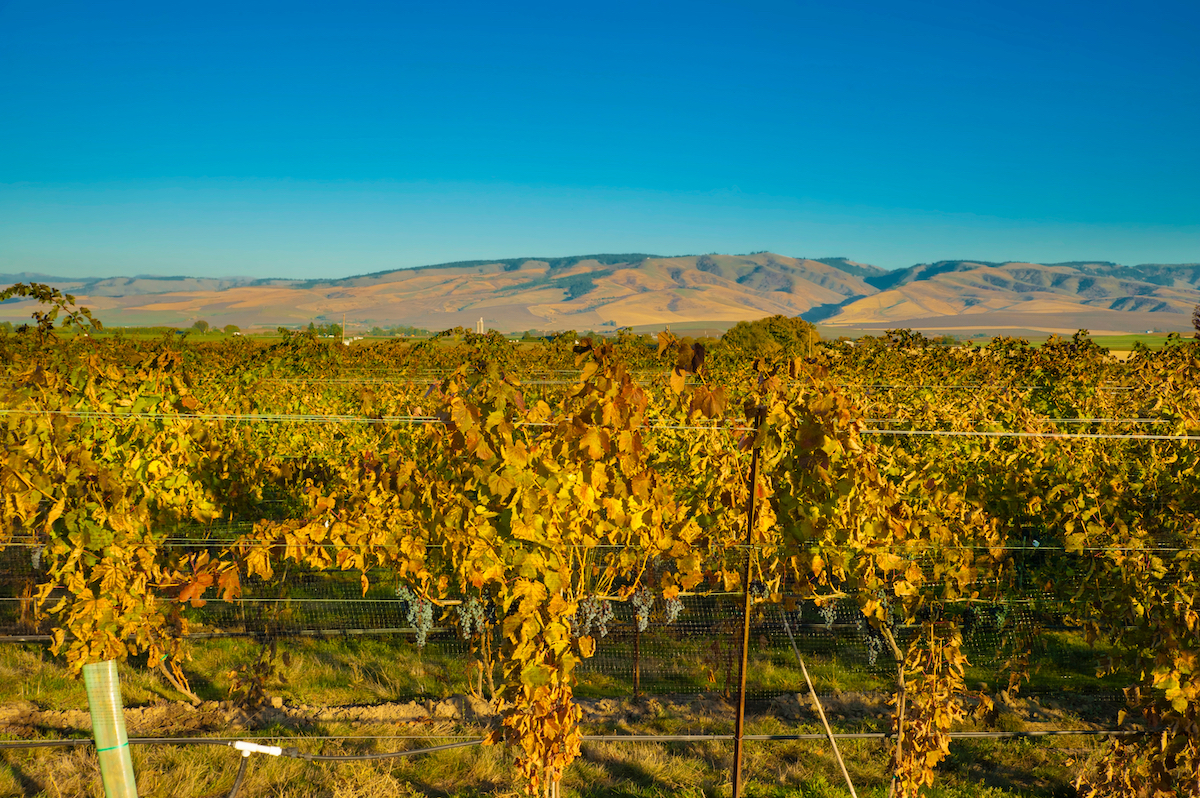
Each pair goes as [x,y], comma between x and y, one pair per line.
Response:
[29,673]
[1125,342]
[345,671]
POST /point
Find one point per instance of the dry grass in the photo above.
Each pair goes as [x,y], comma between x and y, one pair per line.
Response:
[330,673]
[990,768]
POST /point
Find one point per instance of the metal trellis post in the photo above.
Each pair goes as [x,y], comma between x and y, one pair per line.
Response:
[739,725]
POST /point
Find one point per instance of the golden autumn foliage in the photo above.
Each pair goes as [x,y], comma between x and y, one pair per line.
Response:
[471,472]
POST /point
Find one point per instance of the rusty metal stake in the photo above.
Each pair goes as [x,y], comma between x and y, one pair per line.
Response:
[739,724]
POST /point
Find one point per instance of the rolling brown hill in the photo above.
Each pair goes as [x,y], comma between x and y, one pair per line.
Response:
[589,292]
[609,291]
[1062,297]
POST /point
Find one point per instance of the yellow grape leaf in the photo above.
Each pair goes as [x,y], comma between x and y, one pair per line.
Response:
[591,443]
[535,592]
[231,585]
[665,342]
[678,381]
[535,674]
[587,647]
[55,512]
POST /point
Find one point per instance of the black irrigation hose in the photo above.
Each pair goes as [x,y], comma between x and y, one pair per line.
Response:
[688,738]
[9,745]
[589,738]
[241,775]
[385,755]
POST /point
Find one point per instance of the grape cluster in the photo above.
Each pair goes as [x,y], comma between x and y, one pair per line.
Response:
[35,557]
[829,612]
[419,611]
[874,637]
[592,615]
[643,602]
[671,609]
[874,644]
[472,615]
[758,590]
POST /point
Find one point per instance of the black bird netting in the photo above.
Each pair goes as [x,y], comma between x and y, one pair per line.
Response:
[646,645]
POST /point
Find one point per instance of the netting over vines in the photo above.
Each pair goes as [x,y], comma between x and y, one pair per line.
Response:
[687,645]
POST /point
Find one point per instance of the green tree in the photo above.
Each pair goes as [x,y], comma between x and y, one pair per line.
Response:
[200,326]
[774,335]
[230,329]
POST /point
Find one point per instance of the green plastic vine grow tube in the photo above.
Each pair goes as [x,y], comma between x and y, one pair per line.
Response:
[108,727]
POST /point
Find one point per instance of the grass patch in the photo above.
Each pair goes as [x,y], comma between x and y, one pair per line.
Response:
[371,670]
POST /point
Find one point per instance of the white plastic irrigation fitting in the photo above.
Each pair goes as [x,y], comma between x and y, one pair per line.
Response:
[247,748]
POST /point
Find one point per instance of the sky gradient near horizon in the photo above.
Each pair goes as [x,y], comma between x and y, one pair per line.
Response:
[323,140]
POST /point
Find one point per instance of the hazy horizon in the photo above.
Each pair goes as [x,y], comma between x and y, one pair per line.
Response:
[558,256]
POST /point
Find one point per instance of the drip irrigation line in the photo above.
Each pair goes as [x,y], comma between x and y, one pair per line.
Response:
[241,775]
[8,745]
[463,742]
[964,735]
[383,755]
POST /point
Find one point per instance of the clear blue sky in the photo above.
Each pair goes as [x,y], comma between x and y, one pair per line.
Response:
[301,139]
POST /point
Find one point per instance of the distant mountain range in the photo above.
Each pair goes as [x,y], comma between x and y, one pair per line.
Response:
[599,292]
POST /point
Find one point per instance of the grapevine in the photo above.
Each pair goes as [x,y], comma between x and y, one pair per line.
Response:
[531,505]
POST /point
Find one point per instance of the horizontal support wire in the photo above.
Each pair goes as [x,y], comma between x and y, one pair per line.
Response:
[314,419]
[938,433]
[1050,420]
[587,738]
[185,543]
[336,419]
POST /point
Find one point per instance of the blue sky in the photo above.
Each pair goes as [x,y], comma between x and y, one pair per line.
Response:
[298,139]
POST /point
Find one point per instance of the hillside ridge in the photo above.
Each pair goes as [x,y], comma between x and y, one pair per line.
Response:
[607,291]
